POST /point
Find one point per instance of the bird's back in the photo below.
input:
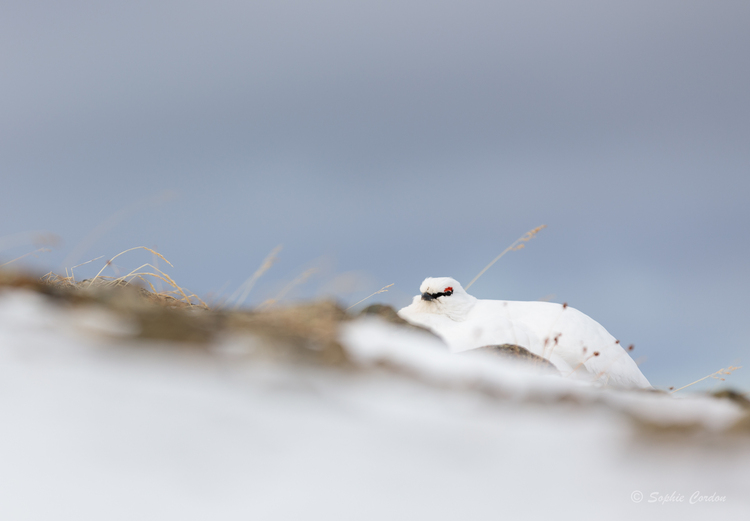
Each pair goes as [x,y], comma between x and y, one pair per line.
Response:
[579,339]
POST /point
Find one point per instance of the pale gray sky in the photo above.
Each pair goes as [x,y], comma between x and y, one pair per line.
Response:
[402,140]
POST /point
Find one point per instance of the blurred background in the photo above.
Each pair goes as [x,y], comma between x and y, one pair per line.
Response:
[384,142]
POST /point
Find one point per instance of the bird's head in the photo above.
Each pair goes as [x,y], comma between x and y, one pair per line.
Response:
[441,289]
[439,296]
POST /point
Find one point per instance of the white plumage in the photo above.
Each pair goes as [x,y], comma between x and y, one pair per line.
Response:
[575,343]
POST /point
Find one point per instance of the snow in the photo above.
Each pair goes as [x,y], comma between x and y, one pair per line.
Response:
[98,426]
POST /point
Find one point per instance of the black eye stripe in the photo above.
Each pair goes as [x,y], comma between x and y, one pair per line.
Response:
[442,294]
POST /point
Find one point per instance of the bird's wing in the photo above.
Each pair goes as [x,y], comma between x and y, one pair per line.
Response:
[576,337]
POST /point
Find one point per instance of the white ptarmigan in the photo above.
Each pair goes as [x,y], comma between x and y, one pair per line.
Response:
[575,343]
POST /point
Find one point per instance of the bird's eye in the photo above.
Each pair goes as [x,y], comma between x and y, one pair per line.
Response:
[448,291]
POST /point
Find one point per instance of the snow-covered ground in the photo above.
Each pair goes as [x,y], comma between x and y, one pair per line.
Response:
[97,426]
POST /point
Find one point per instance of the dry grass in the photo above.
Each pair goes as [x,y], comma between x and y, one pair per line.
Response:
[143,275]
[240,295]
[384,289]
[286,289]
[517,245]
[147,274]
[718,375]
[39,250]
[152,278]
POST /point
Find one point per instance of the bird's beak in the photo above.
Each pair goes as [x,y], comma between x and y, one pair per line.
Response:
[427,296]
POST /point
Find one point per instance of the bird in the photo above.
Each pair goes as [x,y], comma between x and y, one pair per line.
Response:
[573,342]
